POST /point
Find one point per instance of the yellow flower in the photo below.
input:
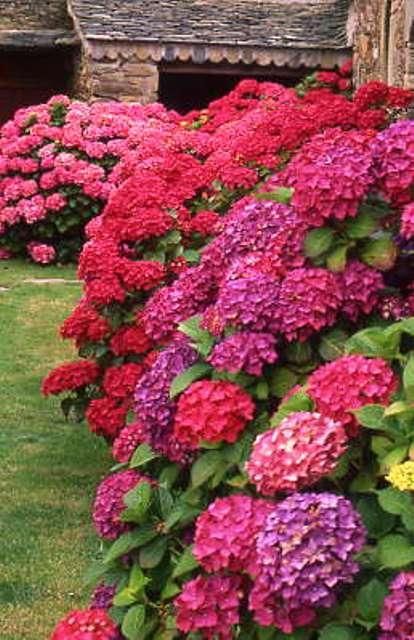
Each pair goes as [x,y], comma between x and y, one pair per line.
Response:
[401,476]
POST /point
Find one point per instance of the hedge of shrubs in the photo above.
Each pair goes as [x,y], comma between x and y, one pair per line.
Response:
[247,350]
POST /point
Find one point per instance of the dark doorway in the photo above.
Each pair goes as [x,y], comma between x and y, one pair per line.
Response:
[185,87]
[28,78]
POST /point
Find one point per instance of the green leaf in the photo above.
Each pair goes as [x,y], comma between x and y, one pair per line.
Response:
[395,551]
[318,241]
[336,260]
[377,521]
[375,342]
[380,253]
[298,352]
[370,416]
[129,541]
[142,455]
[397,408]
[205,467]
[261,391]
[151,555]
[300,401]
[395,456]
[336,632]
[192,256]
[370,599]
[408,379]
[183,380]
[170,590]
[169,475]
[281,194]
[137,579]
[394,501]
[165,501]
[125,597]
[362,226]
[332,344]
[202,339]
[283,379]
[186,563]
[133,622]
[138,501]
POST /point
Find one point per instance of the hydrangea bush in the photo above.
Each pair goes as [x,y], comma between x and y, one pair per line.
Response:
[247,349]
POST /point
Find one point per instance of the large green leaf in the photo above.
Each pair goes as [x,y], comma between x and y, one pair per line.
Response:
[335,631]
[395,501]
[318,241]
[300,401]
[138,501]
[362,226]
[395,551]
[151,555]
[186,563]
[183,380]
[133,622]
[370,598]
[142,455]
[332,344]
[375,342]
[129,541]
[371,416]
[205,467]
[408,379]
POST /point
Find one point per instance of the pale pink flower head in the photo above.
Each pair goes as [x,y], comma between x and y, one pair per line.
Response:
[41,253]
[304,448]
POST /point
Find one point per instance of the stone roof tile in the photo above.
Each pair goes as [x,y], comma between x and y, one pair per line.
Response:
[308,24]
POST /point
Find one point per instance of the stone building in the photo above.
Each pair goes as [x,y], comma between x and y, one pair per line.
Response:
[186,52]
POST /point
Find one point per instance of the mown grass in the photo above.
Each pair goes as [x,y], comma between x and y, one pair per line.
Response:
[48,468]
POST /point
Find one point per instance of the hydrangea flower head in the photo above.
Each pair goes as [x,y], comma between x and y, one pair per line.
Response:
[245,351]
[305,555]
[226,533]
[129,438]
[393,153]
[407,221]
[210,605]
[304,448]
[109,502]
[309,300]
[349,383]
[360,286]
[397,618]
[212,410]
[86,624]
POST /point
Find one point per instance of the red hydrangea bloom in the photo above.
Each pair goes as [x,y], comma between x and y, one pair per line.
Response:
[103,291]
[141,275]
[349,383]
[360,286]
[85,325]
[69,376]
[130,340]
[86,624]
[371,94]
[127,441]
[309,300]
[305,554]
[205,222]
[407,221]
[304,448]
[397,617]
[106,416]
[209,605]
[109,502]
[120,382]
[212,410]
[327,77]
[245,351]
[226,532]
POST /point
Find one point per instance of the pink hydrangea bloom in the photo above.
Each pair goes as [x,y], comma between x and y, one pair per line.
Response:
[407,221]
[127,441]
[397,618]
[109,502]
[360,286]
[350,383]
[393,153]
[86,624]
[226,533]
[304,448]
[41,253]
[210,605]
[309,300]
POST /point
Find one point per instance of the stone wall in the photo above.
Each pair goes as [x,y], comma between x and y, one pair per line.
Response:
[28,15]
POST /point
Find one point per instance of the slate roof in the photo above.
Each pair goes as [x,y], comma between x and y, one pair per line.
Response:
[296,24]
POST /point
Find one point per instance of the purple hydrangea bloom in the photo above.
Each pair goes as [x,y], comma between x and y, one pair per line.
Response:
[245,351]
[305,554]
[249,302]
[393,152]
[188,295]
[255,226]
[397,618]
[153,406]
[103,596]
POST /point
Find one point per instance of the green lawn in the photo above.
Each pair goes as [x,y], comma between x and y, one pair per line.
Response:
[48,468]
